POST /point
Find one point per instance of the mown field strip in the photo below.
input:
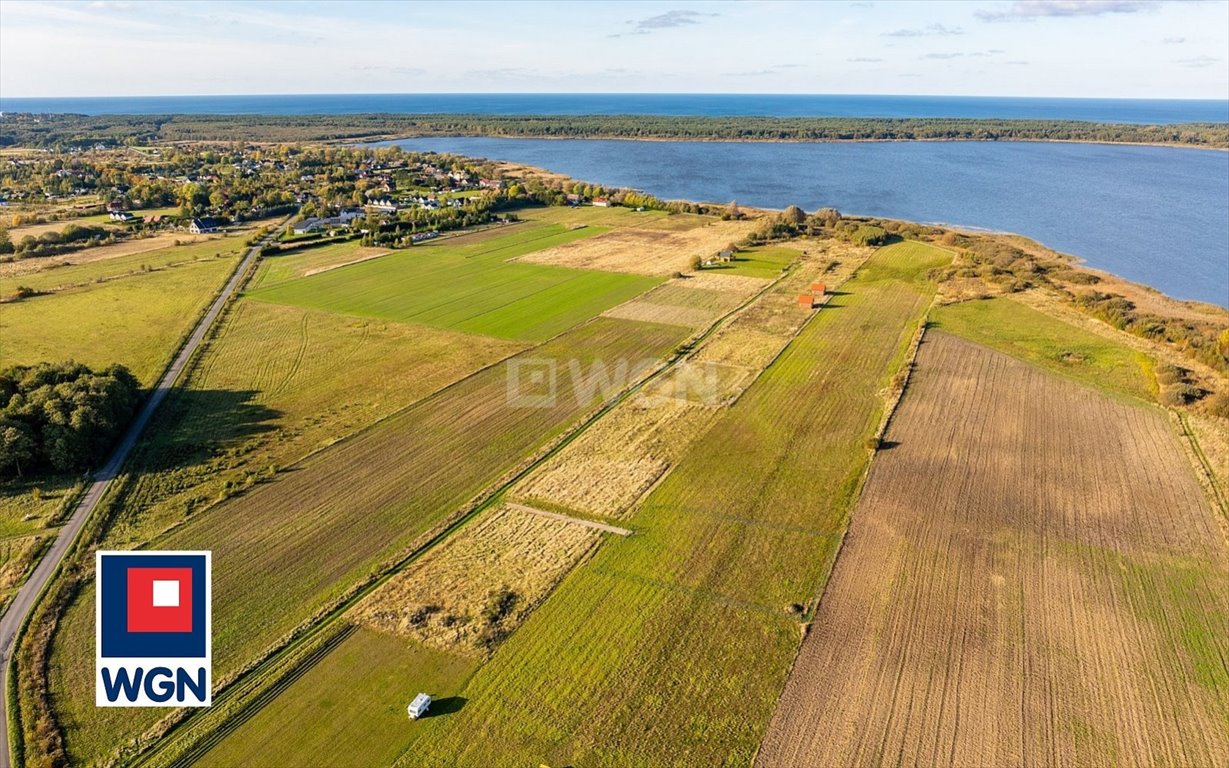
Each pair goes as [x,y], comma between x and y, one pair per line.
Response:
[671,646]
[1059,598]
[570,520]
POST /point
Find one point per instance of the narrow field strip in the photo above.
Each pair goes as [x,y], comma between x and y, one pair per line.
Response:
[570,520]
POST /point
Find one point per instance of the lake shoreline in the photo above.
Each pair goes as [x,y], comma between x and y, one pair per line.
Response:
[715,140]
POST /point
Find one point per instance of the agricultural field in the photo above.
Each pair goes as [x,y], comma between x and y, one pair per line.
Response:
[57,273]
[652,251]
[468,594]
[608,468]
[1038,609]
[1038,338]
[469,288]
[137,321]
[285,549]
[14,270]
[301,727]
[671,645]
[284,267]
[596,216]
[694,301]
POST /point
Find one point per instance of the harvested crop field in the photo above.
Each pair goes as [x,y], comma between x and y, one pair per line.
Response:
[473,591]
[1060,598]
[619,217]
[644,251]
[618,459]
[684,302]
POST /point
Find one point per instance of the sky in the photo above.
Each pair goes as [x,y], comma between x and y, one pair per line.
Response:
[1064,48]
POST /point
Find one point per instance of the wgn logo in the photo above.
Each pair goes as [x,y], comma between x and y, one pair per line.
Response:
[153,630]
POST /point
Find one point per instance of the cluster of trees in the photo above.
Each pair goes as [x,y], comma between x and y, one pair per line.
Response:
[83,130]
[70,238]
[61,417]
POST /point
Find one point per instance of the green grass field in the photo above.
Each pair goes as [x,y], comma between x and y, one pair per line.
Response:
[1045,341]
[327,723]
[138,321]
[469,288]
[284,549]
[284,267]
[763,261]
[670,646]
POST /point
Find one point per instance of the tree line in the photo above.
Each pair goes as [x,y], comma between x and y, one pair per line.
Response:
[61,417]
[85,130]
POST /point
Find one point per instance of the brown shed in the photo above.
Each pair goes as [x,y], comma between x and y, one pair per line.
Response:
[806,300]
[819,289]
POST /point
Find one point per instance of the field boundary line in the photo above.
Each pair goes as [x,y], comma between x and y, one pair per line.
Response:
[381,573]
[1204,464]
[565,519]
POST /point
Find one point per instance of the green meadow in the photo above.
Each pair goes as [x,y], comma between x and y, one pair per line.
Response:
[472,288]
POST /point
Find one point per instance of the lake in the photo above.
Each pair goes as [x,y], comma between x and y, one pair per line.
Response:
[722,104]
[1155,215]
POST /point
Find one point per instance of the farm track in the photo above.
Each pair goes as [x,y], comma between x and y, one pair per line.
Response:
[1038,609]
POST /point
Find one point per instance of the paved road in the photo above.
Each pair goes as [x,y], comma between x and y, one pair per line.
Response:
[23,602]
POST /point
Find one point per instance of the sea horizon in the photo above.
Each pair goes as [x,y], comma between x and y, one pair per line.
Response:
[1108,110]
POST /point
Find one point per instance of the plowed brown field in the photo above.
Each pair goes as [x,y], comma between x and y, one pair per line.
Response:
[1033,576]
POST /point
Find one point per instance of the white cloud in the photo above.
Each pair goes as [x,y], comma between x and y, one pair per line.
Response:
[1034,9]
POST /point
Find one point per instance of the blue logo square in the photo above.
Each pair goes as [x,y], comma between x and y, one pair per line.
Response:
[117,604]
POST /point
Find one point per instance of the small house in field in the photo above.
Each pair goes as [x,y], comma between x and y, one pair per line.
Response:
[419,706]
[819,289]
[806,301]
[601,202]
[726,255]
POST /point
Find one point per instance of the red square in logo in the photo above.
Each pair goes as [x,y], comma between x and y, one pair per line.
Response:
[159,599]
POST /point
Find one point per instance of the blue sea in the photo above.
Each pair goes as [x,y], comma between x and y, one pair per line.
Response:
[1155,215]
[778,105]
